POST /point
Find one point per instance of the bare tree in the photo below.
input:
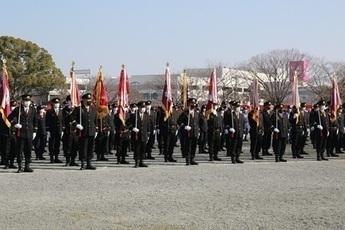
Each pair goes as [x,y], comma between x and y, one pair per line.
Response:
[274,75]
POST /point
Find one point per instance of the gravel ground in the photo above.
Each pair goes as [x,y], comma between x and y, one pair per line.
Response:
[299,194]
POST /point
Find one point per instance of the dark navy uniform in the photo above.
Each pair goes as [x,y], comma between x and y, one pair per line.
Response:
[139,123]
[101,139]
[152,120]
[70,138]
[26,131]
[214,129]
[256,131]
[88,121]
[189,122]
[280,125]
[123,136]
[267,136]
[298,130]
[54,128]
[168,131]
[41,138]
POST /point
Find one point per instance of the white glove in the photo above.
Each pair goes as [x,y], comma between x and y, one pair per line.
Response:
[308,131]
[232,130]
[188,128]
[327,133]
[33,136]
[135,130]
[295,116]
[61,135]
[319,127]
[276,130]
[337,131]
[96,133]
[344,130]
[312,128]
[48,135]
[226,131]
[154,132]
[176,133]
[303,133]
[108,133]
[80,127]
[18,126]
[158,131]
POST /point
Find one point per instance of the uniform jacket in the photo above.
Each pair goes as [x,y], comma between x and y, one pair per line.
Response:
[214,123]
[267,120]
[88,120]
[283,124]
[28,121]
[193,123]
[238,124]
[143,124]
[54,122]
[256,129]
[69,121]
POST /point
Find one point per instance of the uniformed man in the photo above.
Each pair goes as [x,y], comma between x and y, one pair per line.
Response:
[152,120]
[228,121]
[236,130]
[333,135]
[214,129]
[280,125]
[312,116]
[101,138]
[168,131]
[41,138]
[122,136]
[26,128]
[203,130]
[256,131]
[111,137]
[70,138]
[5,141]
[266,141]
[189,122]
[54,130]
[139,123]
[340,136]
[321,127]
[12,152]
[298,129]
[86,116]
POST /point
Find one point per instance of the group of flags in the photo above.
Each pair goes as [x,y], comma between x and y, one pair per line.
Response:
[100,95]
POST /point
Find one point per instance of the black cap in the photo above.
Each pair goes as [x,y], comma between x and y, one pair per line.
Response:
[87,96]
[13,103]
[68,98]
[55,100]
[267,103]
[41,107]
[148,102]
[279,106]
[237,103]
[26,97]
[224,102]
[303,104]
[141,104]
[191,100]
[321,102]
[132,105]
[232,103]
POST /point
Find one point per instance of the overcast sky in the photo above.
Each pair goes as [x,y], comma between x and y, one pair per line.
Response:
[145,34]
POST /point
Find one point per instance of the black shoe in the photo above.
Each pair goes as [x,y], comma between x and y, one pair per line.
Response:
[110,153]
[124,162]
[299,156]
[282,160]
[304,153]
[239,162]
[58,161]
[90,167]
[193,163]
[204,151]
[217,159]
[267,154]
[41,158]
[12,166]
[73,164]
[233,162]
[259,158]
[172,160]
[324,159]
[103,159]
[28,169]
[334,155]
[318,159]
[150,158]
[142,165]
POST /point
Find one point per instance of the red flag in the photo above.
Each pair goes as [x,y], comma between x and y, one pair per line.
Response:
[167,102]
[185,90]
[74,91]
[212,94]
[302,69]
[100,96]
[5,95]
[122,94]
[295,94]
[335,99]
[255,99]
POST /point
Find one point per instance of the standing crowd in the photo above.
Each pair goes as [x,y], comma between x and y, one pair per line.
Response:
[80,133]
